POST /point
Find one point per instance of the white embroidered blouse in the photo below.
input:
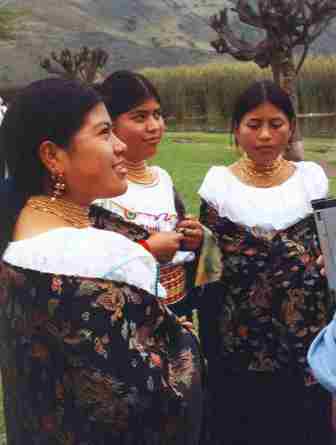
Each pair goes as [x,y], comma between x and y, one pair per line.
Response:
[90,253]
[151,207]
[273,208]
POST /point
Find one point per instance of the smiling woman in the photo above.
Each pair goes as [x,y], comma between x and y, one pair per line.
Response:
[90,163]
[151,201]
[89,353]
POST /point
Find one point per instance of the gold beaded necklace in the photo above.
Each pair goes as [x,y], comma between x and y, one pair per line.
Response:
[141,173]
[74,214]
[268,175]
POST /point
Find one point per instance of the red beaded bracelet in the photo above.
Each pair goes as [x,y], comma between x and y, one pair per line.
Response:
[144,244]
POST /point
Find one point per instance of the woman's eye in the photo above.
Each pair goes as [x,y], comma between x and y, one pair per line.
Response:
[276,125]
[139,118]
[157,114]
[253,126]
[106,131]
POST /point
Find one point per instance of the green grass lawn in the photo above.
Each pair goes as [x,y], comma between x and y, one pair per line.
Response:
[188,156]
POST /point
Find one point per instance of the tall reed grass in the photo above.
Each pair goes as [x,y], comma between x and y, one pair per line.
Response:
[205,94]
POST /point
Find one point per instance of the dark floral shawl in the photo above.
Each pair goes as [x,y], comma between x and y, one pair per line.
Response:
[271,300]
[89,361]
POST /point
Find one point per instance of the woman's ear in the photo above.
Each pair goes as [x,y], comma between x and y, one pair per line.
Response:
[52,157]
[292,131]
[235,133]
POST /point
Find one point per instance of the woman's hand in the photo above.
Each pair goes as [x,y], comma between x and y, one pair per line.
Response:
[187,324]
[192,231]
[320,262]
[164,245]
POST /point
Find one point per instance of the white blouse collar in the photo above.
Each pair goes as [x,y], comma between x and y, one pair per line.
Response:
[90,253]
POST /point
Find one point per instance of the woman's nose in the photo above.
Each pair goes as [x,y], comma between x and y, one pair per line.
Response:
[119,146]
[153,123]
[265,132]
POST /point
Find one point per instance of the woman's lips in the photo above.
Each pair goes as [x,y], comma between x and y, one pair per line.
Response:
[153,141]
[120,168]
[264,147]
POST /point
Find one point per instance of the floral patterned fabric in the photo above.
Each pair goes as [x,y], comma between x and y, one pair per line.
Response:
[271,300]
[93,362]
[107,220]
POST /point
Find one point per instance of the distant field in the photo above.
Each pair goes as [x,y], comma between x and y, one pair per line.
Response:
[203,96]
[188,156]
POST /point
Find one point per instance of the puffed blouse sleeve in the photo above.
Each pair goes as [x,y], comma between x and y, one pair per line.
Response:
[210,192]
[212,187]
[315,180]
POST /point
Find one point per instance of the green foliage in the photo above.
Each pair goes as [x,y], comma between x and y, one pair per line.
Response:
[206,93]
[207,90]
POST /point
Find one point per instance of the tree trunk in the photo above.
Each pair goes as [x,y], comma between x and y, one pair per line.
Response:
[295,150]
[275,66]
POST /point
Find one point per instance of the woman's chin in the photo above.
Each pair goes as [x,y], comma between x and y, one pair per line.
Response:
[117,191]
[123,188]
[151,152]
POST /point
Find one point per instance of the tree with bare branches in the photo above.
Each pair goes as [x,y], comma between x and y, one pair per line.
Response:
[287,28]
[83,65]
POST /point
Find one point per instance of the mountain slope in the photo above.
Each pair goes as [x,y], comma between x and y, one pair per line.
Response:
[136,33]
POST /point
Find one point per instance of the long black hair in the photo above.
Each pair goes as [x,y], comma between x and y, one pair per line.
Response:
[50,109]
[124,90]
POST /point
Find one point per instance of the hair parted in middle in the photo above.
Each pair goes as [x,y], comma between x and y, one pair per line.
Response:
[259,93]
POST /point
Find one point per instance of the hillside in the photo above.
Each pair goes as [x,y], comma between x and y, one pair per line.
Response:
[136,33]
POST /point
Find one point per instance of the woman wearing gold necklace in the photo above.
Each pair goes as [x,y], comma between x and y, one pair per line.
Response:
[257,323]
[150,201]
[90,354]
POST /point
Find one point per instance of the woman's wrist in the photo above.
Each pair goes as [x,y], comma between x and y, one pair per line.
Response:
[144,243]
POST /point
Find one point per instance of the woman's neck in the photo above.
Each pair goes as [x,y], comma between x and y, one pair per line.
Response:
[263,175]
[264,168]
[140,173]
[69,211]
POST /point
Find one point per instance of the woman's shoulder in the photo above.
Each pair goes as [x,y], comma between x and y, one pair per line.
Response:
[216,170]
[163,174]
[91,253]
[214,182]
[309,167]
[314,178]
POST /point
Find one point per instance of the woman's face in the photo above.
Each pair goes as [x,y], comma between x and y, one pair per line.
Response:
[94,164]
[141,129]
[264,133]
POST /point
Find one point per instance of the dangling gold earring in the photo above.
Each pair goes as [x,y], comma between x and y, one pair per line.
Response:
[58,186]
